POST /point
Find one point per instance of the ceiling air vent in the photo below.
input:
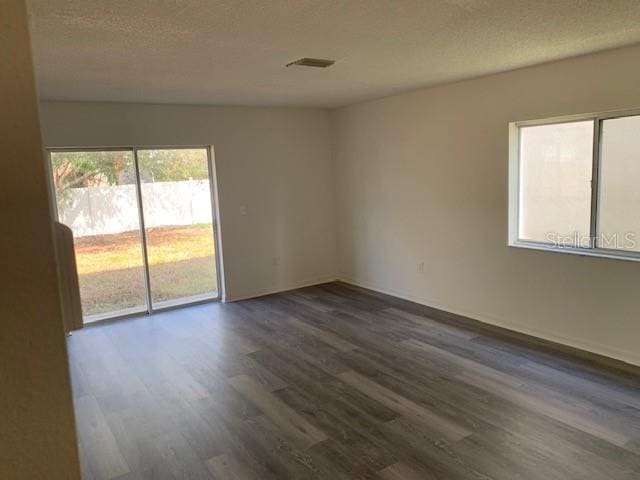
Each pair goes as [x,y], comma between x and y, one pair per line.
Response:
[312,62]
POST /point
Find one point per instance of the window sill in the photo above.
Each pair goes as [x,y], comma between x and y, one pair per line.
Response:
[583,252]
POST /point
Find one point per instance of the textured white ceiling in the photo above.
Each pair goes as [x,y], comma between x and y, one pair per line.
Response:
[233,52]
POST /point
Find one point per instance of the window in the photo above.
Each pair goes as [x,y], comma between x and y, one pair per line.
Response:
[574,185]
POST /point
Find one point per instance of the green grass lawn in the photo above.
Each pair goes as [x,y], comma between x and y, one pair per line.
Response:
[111,271]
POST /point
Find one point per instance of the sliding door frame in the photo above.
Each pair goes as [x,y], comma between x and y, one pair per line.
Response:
[213,191]
[214,225]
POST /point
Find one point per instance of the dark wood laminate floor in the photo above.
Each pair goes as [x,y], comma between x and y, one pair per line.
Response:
[335,382]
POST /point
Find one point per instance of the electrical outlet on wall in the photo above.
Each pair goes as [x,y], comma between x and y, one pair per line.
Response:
[275,261]
[421,267]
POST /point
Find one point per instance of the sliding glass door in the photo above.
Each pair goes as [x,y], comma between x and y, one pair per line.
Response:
[178,220]
[96,197]
[143,226]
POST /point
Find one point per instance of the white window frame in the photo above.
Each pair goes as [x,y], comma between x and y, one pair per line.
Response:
[514,186]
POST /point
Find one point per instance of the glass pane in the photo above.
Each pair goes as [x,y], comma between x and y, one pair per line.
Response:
[619,221]
[176,201]
[555,183]
[96,197]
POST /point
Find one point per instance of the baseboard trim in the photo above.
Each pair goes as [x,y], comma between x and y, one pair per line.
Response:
[610,358]
[270,291]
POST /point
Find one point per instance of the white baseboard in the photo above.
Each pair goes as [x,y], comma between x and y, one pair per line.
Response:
[581,344]
[281,288]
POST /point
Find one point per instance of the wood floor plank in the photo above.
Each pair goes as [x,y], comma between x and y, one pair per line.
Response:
[346,435]
[402,405]
[294,461]
[323,386]
[226,467]
[577,409]
[400,471]
[323,335]
[103,456]
[342,464]
[247,365]
[429,324]
[292,423]
[182,462]
[526,400]
[605,393]
[468,366]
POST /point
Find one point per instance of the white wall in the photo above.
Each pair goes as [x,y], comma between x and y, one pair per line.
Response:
[274,161]
[422,177]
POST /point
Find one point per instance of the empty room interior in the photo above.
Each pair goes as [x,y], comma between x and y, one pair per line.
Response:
[360,239]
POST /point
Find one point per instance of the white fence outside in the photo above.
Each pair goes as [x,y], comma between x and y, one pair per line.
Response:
[114,209]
